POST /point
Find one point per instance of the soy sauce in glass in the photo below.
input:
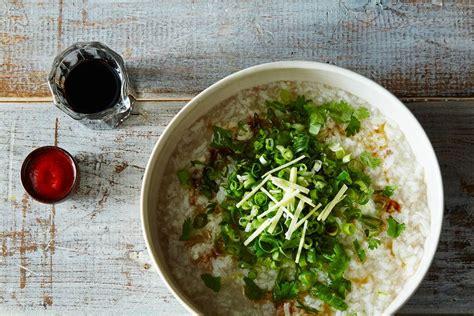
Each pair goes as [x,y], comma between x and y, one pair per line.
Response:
[92,86]
[89,82]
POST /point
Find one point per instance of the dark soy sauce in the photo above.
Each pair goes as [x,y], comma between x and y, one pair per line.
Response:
[92,86]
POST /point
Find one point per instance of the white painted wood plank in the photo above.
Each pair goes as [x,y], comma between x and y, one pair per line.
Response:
[176,48]
[87,254]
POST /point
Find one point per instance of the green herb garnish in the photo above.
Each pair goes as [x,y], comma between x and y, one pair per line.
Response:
[369,160]
[284,290]
[373,243]
[353,127]
[184,177]
[221,138]
[187,229]
[212,282]
[389,190]
[340,112]
[329,296]
[252,291]
[394,228]
[361,113]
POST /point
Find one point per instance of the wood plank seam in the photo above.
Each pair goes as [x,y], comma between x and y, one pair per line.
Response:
[9,100]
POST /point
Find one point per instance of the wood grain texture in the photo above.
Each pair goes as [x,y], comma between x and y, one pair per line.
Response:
[449,284]
[413,48]
[88,254]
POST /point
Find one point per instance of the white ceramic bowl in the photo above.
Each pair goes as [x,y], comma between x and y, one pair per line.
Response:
[333,76]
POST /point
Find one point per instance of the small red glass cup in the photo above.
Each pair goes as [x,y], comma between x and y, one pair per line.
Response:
[50,174]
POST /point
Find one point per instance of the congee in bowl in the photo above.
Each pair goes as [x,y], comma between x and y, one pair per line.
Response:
[292,197]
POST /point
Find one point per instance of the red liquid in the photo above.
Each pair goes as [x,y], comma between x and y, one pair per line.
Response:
[50,174]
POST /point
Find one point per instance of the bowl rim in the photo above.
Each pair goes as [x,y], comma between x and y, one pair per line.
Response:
[435,226]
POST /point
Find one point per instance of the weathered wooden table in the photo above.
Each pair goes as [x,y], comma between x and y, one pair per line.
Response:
[87,254]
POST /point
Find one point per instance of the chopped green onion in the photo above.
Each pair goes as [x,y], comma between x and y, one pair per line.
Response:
[362,186]
[286,153]
[283,173]
[256,168]
[284,166]
[308,243]
[279,159]
[260,198]
[359,251]
[268,244]
[307,280]
[348,228]
[346,158]
[257,145]
[344,176]
[355,166]
[328,296]
[311,256]
[254,190]
[269,143]
[336,147]
[301,143]
[371,221]
[353,213]
[298,126]
[249,182]
[332,229]
[229,232]
[317,166]
[263,160]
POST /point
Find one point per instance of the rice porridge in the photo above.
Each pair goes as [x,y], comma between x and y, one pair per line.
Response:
[377,264]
